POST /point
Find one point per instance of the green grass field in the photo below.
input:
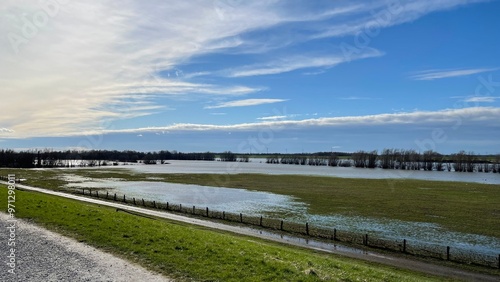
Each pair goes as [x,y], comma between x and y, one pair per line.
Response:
[186,252]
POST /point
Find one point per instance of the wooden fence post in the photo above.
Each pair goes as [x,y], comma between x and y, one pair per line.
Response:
[207,211]
[115,197]
[167,207]
[281,225]
[307,228]
[241,217]
[194,208]
[154,204]
[366,240]
[448,253]
[260,223]
[107,194]
[124,200]
[143,203]
[134,201]
[97,193]
[498,261]
[83,191]
[404,246]
[180,207]
[334,234]
[223,215]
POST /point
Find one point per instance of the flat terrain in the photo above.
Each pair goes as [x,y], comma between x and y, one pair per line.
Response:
[186,252]
[462,207]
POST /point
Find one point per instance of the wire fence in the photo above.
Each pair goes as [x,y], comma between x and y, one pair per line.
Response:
[426,250]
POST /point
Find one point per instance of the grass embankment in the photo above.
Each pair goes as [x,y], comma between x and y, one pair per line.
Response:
[188,252]
[463,207]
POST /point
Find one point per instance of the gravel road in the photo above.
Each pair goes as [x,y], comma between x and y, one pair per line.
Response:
[42,255]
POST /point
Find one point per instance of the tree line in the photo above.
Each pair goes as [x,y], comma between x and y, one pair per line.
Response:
[387,159]
[396,159]
[71,158]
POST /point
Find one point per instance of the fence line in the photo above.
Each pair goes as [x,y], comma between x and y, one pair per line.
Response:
[404,246]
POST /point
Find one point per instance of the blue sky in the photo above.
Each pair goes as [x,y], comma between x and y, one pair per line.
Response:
[278,76]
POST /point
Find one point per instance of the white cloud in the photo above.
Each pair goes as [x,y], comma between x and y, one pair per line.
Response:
[93,61]
[355,98]
[481,99]
[299,62]
[245,103]
[448,118]
[273,118]
[439,74]
[89,56]
[6,130]
[381,14]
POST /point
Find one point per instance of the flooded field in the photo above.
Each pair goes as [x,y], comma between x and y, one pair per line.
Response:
[259,166]
[256,203]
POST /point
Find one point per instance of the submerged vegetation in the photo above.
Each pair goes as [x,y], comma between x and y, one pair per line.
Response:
[387,159]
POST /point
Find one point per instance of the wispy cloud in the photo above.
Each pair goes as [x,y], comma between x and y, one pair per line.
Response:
[94,60]
[299,62]
[355,98]
[380,14]
[273,118]
[439,74]
[481,99]
[245,103]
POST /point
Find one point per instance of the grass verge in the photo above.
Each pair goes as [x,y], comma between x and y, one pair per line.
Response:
[186,252]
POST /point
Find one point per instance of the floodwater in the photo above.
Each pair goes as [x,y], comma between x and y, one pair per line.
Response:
[259,166]
[251,203]
[256,203]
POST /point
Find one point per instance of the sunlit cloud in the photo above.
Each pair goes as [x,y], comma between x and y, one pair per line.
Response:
[93,62]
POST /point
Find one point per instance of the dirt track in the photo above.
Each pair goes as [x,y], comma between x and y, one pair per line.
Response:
[363,255]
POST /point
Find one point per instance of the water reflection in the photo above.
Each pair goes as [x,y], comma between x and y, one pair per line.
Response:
[256,203]
[259,166]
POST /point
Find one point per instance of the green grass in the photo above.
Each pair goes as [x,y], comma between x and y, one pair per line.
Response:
[457,206]
[186,252]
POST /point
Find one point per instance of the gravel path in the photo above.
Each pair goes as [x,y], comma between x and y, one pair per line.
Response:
[42,255]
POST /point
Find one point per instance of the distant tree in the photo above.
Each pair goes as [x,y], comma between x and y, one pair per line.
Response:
[228,156]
